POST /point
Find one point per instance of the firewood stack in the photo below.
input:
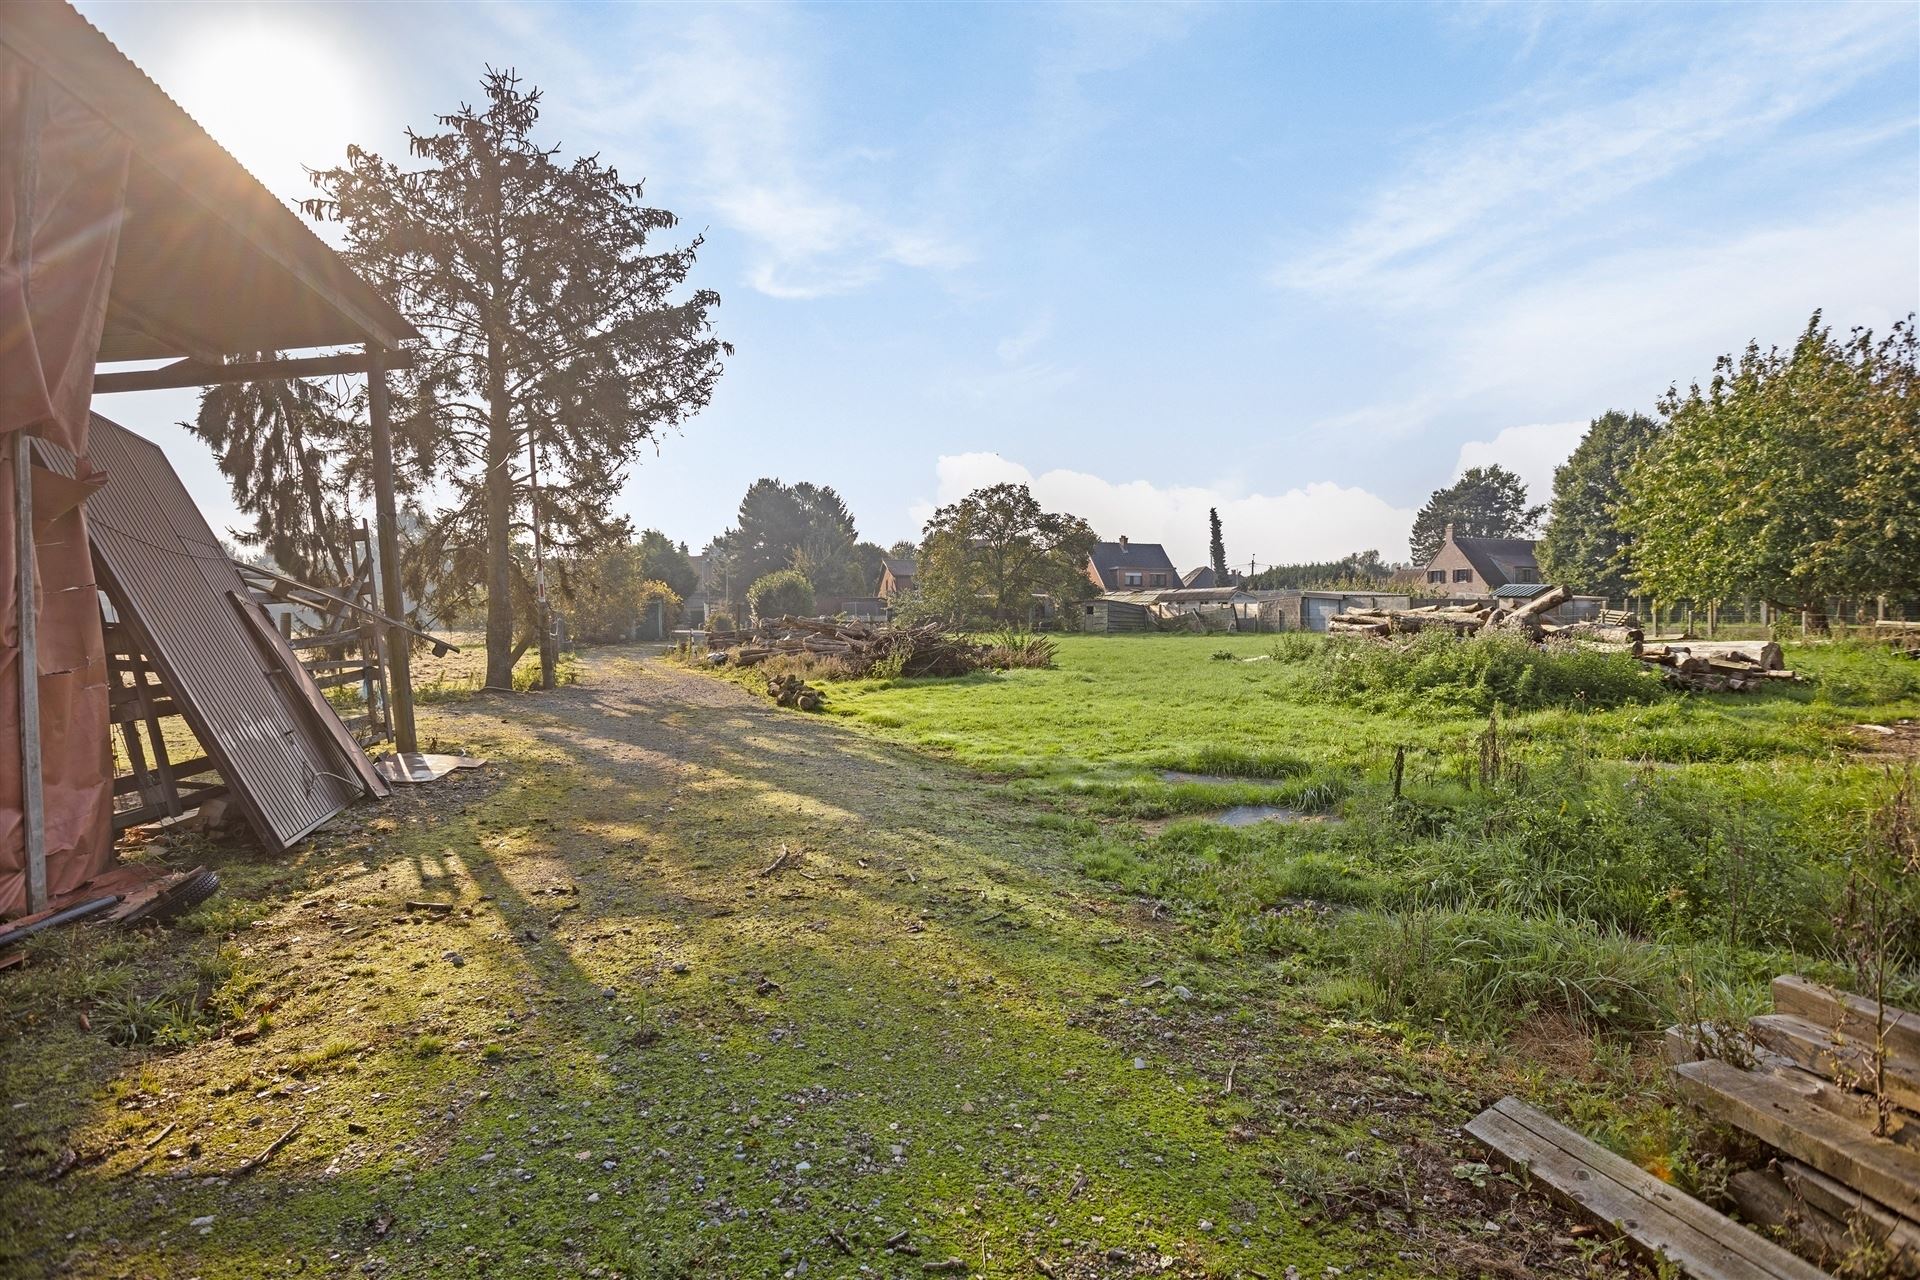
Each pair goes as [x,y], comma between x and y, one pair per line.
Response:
[1730,666]
[923,649]
[792,691]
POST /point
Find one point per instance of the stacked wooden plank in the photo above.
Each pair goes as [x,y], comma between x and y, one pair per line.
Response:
[1831,1082]
[923,649]
[1656,1218]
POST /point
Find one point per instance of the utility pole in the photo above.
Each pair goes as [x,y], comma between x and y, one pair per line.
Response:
[387,524]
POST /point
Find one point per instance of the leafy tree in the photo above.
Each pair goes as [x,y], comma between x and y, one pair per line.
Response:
[1485,502]
[662,561]
[903,550]
[608,594]
[1794,477]
[781,592]
[872,562]
[1583,543]
[992,551]
[552,326]
[283,446]
[1217,547]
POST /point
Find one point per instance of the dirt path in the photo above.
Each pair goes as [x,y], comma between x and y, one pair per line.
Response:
[732,991]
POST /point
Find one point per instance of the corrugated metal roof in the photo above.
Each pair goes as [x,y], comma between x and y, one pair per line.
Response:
[1521,590]
[251,709]
[205,248]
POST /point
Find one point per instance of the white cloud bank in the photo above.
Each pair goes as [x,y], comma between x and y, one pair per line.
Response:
[1317,521]
[1530,452]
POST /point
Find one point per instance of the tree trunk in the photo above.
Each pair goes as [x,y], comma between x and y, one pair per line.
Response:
[500,455]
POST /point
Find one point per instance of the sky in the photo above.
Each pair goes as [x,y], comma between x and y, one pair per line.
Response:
[1302,263]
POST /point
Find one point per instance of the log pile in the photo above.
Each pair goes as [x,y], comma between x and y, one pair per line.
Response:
[1727,666]
[1700,665]
[792,691]
[923,649]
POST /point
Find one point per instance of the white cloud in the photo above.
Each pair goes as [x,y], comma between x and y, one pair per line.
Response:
[1319,521]
[1497,193]
[1530,452]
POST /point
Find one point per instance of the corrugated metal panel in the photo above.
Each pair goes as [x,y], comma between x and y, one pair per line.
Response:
[159,557]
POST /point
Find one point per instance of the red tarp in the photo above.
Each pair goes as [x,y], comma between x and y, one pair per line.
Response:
[63,178]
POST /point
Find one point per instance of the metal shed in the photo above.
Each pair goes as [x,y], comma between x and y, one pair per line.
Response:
[135,237]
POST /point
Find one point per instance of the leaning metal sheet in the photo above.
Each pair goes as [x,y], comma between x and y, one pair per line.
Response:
[159,556]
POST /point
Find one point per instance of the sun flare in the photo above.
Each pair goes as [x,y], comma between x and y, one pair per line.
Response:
[276,91]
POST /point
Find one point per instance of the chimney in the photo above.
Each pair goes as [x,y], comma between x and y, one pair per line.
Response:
[1123,538]
[1448,535]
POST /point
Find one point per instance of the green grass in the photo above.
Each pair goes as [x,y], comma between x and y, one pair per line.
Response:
[1088,1017]
[1571,836]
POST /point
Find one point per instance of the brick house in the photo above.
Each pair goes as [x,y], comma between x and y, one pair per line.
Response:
[1480,566]
[1131,566]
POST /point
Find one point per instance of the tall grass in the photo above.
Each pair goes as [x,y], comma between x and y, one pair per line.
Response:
[1478,673]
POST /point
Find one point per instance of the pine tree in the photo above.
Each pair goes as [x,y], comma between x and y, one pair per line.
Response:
[557,340]
[1582,545]
[1485,502]
[284,447]
[1216,547]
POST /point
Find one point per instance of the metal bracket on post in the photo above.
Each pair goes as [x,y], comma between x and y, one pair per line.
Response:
[32,805]
[387,527]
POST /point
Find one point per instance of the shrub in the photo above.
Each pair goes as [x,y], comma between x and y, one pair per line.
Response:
[1021,649]
[720,620]
[1478,673]
[783,592]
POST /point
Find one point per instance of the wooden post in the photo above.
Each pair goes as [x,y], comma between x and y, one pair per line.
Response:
[542,605]
[32,805]
[387,524]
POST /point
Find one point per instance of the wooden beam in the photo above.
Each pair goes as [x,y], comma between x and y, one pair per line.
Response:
[387,524]
[1873,1166]
[32,802]
[288,590]
[201,373]
[1854,1016]
[1658,1219]
[1839,1057]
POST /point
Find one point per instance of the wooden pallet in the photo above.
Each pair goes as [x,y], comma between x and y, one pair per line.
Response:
[1658,1219]
[1831,1081]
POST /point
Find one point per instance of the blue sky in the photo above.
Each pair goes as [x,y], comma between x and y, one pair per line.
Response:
[1300,262]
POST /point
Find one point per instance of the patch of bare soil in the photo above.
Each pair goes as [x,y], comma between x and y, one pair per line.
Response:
[1895,743]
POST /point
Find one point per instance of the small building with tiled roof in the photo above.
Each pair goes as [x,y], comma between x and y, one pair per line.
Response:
[1481,566]
[1131,566]
[896,577]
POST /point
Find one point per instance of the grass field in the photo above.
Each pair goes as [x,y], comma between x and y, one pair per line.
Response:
[1015,994]
[1612,852]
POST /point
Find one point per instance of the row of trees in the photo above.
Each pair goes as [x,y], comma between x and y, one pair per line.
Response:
[1792,477]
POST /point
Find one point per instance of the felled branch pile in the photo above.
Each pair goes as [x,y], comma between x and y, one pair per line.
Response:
[792,691]
[924,649]
[1705,666]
